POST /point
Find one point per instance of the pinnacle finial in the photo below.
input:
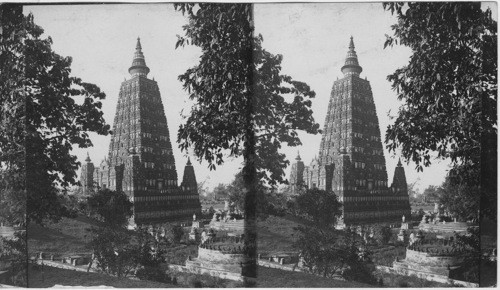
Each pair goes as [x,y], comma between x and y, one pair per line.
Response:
[189,162]
[399,162]
[351,66]
[351,44]
[138,45]
[139,67]
[298,156]
[88,157]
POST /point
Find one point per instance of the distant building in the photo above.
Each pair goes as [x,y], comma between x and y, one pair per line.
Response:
[87,176]
[351,159]
[297,174]
[140,161]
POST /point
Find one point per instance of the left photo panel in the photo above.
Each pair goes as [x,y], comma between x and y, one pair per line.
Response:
[107,174]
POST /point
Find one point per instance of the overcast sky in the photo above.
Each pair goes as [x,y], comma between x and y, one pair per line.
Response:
[313,39]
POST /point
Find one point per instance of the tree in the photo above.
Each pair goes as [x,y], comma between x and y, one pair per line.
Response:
[113,252]
[12,116]
[461,200]
[220,192]
[60,110]
[469,245]
[320,251]
[173,233]
[357,259]
[241,99]
[413,191]
[202,189]
[14,253]
[449,91]
[267,201]
[116,250]
[112,207]
[243,105]
[382,234]
[431,193]
[320,245]
[320,206]
[324,250]
[327,253]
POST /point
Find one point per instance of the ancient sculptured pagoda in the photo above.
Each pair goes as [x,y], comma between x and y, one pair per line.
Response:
[140,160]
[351,159]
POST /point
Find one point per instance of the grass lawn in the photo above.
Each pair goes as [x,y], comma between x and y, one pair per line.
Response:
[275,278]
[54,276]
[65,237]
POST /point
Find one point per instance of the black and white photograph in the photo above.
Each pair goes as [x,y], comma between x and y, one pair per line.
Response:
[248,145]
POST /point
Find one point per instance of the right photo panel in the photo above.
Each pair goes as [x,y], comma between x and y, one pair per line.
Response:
[397,185]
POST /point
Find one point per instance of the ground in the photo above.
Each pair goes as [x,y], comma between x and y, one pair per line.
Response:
[49,277]
[68,236]
[399,281]
[275,278]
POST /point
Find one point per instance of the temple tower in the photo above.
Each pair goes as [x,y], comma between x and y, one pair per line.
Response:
[351,159]
[189,178]
[86,177]
[351,129]
[399,184]
[297,174]
[140,128]
[140,161]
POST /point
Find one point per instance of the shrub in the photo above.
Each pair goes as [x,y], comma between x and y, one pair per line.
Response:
[154,274]
[193,282]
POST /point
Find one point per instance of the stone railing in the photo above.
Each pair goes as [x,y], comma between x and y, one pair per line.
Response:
[228,239]
[435,242]
[228,249]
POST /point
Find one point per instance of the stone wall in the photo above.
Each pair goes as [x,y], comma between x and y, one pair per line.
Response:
[219,257]
[428,259]
[426,276]
[231,225]
[210,271]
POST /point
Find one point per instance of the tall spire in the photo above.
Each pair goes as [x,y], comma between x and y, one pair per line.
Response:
[139,67]
[351,66]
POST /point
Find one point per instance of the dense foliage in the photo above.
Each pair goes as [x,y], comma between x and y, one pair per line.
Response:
[470,246]
[111,207]
[242,100]
[324,250]
[243,105]
[14,256]
[449,91]
[118,251]
[12,116]
[45,111]
[320,206]
[462,200]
